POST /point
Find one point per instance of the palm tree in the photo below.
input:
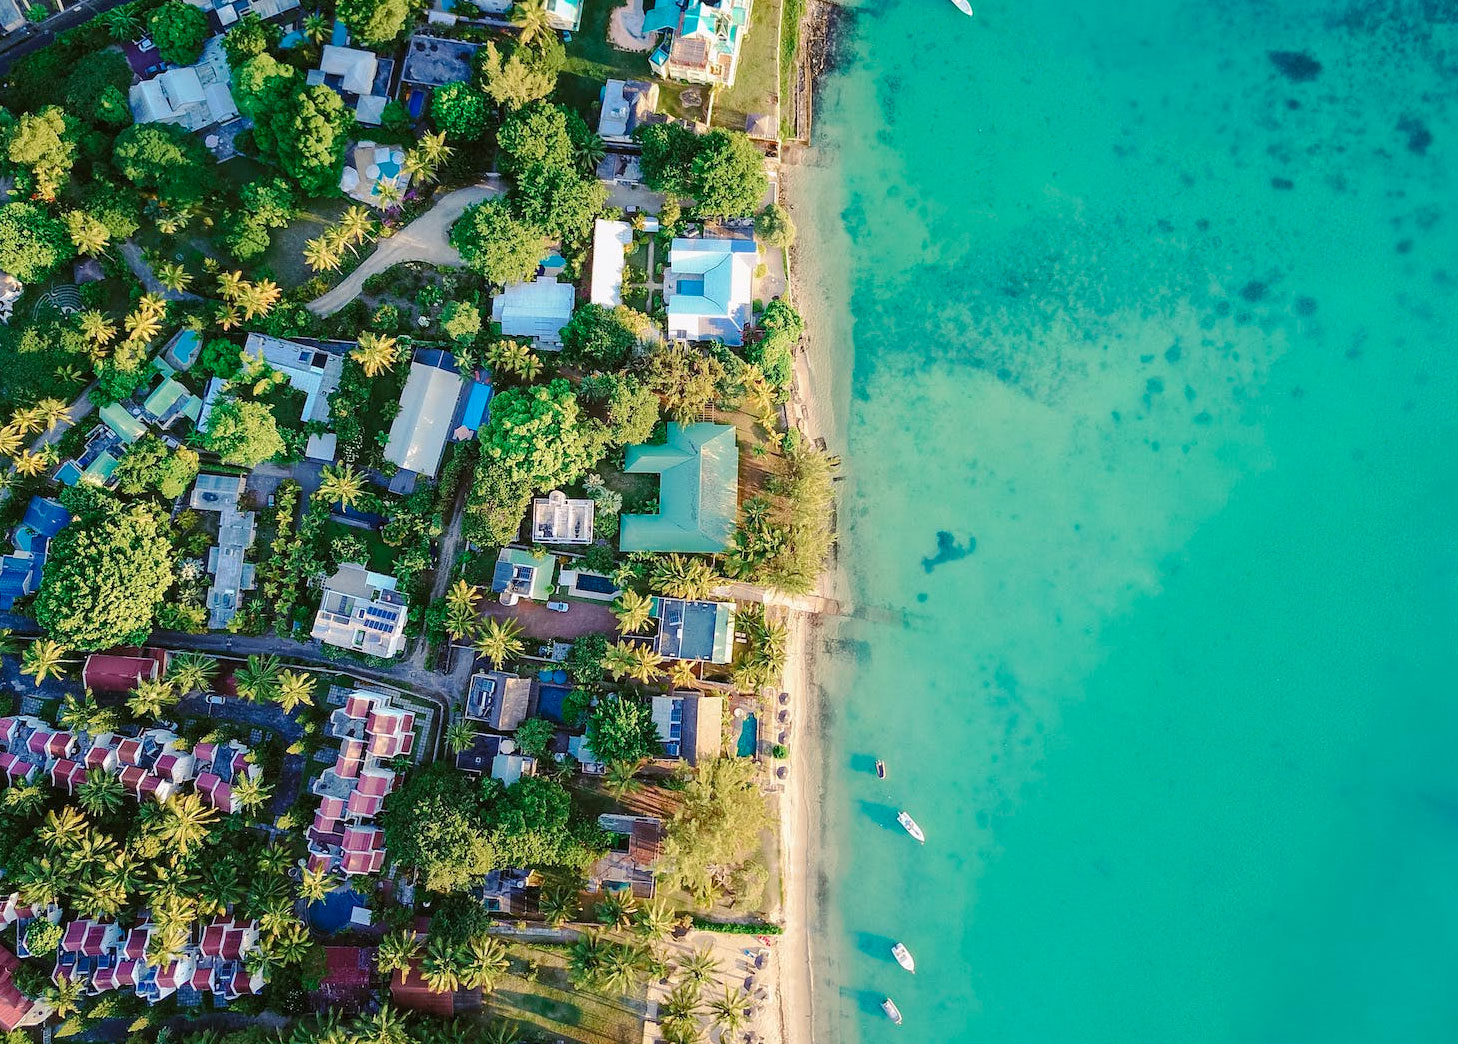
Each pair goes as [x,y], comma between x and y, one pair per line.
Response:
[63,828]
[262,961]
[24,798]
[174,276]
[141,326]
[166,944]
[356,225]
[263,295]
[623,966]
[227,317]
[274,859]
[122,24]
[682,576]
[316,27]
[43,659]
[88,235]
[64,996]
[558,906]
[187,822]
[223,886]
[295,689]
[441,966]
[585,959]
[459,735]
[388,194]
[589,152]
[77,712]
[258,679]
[191,672]
[499,641]
[699,967]
[41,881]
[530,367]
[681,674]
[678,1012]
[425,159]
[727,1011]
[617,909]
[376,353]
[250,792]
[11,440]
[621,777]
[655,920]
[633,611]
[330,1030]
[31,464]
[151,699]
[398,951]
[322,253]
[646,663]
[618,660]
[503,1031]
[342,485]
[67,373]
[531,20]
[386,1026]
[314,885]
[292,943]
[53,411]
[230,285]
[483,962]
[461,602]
[96,327]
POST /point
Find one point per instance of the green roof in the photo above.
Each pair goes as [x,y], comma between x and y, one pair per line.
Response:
[699,491]
[115,417]
[524,573]
[100,470]
[164,397]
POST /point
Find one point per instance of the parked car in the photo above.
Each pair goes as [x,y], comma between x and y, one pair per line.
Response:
[557,607]
[215,698]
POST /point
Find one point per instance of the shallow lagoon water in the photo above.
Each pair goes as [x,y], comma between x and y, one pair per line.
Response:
[1149,397]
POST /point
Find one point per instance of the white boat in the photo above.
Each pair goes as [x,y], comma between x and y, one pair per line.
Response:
[904,818]
[964,7]
[880,769]
[892,1011]
[903,957]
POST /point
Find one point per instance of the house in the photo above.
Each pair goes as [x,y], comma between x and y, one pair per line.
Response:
[538,309]
[120,672]
[701,39]
[611,241]
[408,990]
[427,406]
[520,574]
[10,287]
[194,97]
[361,78]
[625,105]
[21,570]
[558,520]
[310,366]
[433,61]
[500,700]
[690,725]
[16,1009]
[509,767]
[349,974]
[698,495]
[477,758]
[170,400]
[565,15]
[694,630]
[631,863]
[505,891]
[708,288]
[236,529]
[12,17]
[361,611]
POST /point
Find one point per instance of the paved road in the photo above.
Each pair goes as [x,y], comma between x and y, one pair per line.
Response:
[424,239]
[33,37]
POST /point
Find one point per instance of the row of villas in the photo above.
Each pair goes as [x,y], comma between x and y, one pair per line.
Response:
[372,731]
[153,764]
[106,957]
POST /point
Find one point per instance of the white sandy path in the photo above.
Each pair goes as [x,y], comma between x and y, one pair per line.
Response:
[424,239]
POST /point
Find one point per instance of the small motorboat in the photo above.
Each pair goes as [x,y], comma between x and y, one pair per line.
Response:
[880,769]
[903,957]
[904,818]
[892,1011]
[964,7]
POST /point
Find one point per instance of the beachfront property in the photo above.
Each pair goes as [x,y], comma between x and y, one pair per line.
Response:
[194,96]
[359,77]
[690,725]
[708,288]
[498,700]
[698,498]
[427,407]
[537,309]
[701,40]
[371,731]
[564,15]
[694,630]
[626,105]
[361,611]
[434,61]
[520,574]
[559,519]
[632,862]
[22,569]
[236,530]
[611,241]
[311,368]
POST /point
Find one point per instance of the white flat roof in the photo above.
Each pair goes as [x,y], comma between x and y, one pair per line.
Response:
[610,242]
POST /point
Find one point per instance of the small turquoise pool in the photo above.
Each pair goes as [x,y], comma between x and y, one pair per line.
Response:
[332,913]
[749,737]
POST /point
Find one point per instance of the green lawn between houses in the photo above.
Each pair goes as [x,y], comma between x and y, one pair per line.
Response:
[756,84]
[549,1007]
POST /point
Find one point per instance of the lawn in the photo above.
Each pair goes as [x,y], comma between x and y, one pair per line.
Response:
[381,555]
[548,1006]
[592,60]
[790,19]
[756,84]
[285,256]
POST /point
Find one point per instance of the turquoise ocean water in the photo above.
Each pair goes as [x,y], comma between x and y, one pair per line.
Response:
[1161,330]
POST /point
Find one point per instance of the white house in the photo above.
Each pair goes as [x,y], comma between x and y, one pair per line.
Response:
[709,289]
[538,310]
[610,243]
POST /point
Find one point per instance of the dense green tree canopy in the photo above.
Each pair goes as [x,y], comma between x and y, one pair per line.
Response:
[433,824]
[535,136]
[773,227]
[374,22]
[718,825]
[686,380]
[263,205]
[303,128]
[179,30]
[243,432]
[632,412]
[251,37]
[601,337]
[531,826]
[32,243]
[780,329]
[668,157]
[495,244]
[43,143]
[461,321]
[728,175]
[539,436]
[460,110]
[106,574]
[549,191]
[620,728]
[511,78]
[164,160]
[115,205]
[152,466]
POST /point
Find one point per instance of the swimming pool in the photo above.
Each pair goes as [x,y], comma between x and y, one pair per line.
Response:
[332,913]
[749,737]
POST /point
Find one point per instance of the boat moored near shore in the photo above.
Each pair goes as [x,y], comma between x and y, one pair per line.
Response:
[892,1011]
[903,957]
[904,818]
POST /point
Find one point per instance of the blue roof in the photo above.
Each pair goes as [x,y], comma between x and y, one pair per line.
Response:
[70,473]
[474,414]
[45,517]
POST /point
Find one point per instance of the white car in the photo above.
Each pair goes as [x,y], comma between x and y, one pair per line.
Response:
[557,607]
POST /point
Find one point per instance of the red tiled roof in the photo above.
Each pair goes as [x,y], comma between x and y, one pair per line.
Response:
[205,752]
[347,768]
[348,965]
[202,979]
[330,808]
[8,725]
[376,783]
[408,990]
[15,768]
[361,838]
[97,756]
[105,672]
[362,862]
[135,946]
[211,944]
[168,763]
[15,1006]
[358,705]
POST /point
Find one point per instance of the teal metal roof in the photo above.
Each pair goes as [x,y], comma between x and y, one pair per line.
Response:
[698,493]
[115,417]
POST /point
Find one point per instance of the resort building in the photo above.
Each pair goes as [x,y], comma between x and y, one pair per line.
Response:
[236,529]
[520,574]
[313,368]
[509,766]
[698,495]
[361,611]
[626,105]
[701,39]
[121,671]
[104,447]
[694,630]
[361,78]
[690,725]
[632,861]
[559,520]
[498,700]
[104,957]
[611,241]
[538,309]
[708,289]
[169,401]
[10,287]
[193,97]
[21,570]
[375,174]
[427,406]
